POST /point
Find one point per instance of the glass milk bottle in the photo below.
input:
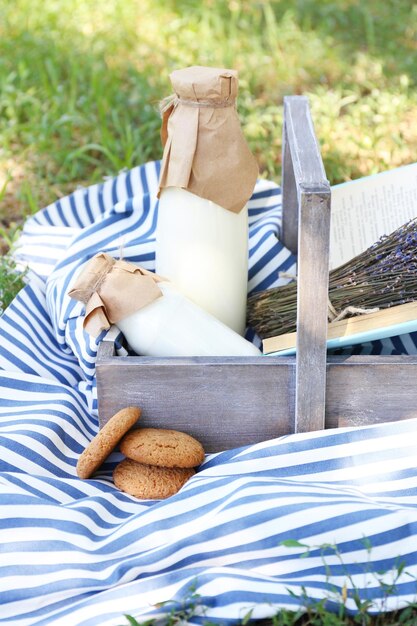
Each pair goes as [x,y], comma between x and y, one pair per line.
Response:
[207,176]
[172,325]
[155,318]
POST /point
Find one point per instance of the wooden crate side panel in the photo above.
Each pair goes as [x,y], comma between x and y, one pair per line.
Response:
[222,405]
[227,403]
[363,390]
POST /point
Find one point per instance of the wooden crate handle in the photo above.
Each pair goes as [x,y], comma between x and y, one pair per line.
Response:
[306,232]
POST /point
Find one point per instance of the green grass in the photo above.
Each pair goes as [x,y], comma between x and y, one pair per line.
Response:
[80,81]
[11,281]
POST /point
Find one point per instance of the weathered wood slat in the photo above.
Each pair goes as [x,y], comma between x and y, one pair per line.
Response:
[307,221]
[312,298]
[302,165]
[305,150]
[365,390]
[289,228]
[225,403]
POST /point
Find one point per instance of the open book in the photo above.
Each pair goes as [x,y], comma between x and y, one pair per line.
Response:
[365,209]
[361,212]
[396,320]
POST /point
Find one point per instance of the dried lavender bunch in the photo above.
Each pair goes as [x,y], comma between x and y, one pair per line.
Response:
[384,275]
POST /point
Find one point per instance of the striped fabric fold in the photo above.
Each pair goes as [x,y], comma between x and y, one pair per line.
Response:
[253,531]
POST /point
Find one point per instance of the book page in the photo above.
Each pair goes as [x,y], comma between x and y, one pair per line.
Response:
[365,209]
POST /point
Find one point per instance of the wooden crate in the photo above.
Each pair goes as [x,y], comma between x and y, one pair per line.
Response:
[234,401]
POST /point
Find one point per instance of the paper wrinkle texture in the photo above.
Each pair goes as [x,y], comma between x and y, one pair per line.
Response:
[205,151]
[113,289]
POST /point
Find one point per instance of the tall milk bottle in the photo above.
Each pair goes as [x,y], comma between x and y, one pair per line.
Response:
[208,174]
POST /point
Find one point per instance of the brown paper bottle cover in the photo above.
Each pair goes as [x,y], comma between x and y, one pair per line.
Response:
[112,290]
[205,151]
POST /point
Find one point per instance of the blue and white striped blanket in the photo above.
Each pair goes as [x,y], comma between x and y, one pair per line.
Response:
[83,553]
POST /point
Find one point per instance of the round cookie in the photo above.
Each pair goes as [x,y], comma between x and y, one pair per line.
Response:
[162,447]
[106,440]
[149,482]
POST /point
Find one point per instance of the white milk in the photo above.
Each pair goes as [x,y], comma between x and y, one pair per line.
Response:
[203,250]
[172,325]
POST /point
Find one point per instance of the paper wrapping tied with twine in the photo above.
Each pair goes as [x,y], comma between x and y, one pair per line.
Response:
[205,151]
[111,290]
